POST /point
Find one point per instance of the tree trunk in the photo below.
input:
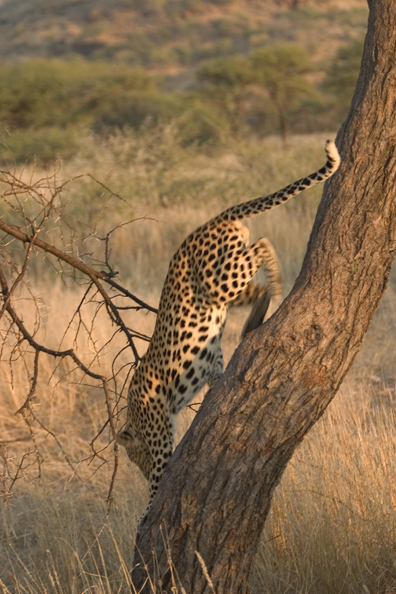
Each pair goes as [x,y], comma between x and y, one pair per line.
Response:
[216,492]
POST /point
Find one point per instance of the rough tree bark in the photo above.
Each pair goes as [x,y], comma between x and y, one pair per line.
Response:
[216,492]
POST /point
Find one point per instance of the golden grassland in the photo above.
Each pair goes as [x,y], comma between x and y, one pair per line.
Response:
[332,523]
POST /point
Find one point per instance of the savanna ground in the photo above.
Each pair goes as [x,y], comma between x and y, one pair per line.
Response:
[332,523]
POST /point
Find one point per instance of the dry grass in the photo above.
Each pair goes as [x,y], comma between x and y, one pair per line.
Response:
[332,523]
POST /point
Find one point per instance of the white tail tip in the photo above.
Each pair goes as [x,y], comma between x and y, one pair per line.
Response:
[332,152]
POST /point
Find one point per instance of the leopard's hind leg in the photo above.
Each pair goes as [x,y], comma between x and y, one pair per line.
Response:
[260,296]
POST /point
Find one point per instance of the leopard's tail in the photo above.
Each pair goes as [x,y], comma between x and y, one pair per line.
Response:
[257,205]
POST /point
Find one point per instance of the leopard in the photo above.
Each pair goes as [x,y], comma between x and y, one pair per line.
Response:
[212,270]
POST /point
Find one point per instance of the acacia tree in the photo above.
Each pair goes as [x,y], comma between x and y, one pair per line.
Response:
[216,492]
[225,82]
[281,71]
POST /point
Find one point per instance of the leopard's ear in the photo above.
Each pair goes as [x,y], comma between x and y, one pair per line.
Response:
[125,438]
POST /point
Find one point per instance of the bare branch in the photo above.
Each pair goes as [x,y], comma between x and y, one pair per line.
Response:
[94,275]
[40,348]
[32,211]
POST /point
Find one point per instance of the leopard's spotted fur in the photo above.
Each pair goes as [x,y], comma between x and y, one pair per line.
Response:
[211,269]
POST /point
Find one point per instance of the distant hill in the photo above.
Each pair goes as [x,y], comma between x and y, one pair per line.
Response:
[172,36]
[120,64]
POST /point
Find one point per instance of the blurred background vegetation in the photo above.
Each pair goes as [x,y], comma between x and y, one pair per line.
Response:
[214,67]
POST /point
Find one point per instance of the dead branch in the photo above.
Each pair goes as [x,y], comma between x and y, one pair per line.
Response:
[94,275]
[33,209]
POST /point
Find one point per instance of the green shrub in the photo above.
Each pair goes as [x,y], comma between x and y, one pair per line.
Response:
[228,72]
[135,108]
[47,93]
[42,146]
[200,125]
[28,93]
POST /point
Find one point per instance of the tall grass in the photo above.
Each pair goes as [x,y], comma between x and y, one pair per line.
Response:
[332,522]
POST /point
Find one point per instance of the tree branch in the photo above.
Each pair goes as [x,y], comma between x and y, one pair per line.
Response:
[93,274]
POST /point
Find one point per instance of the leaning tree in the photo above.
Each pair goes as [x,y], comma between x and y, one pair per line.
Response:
[216,492]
